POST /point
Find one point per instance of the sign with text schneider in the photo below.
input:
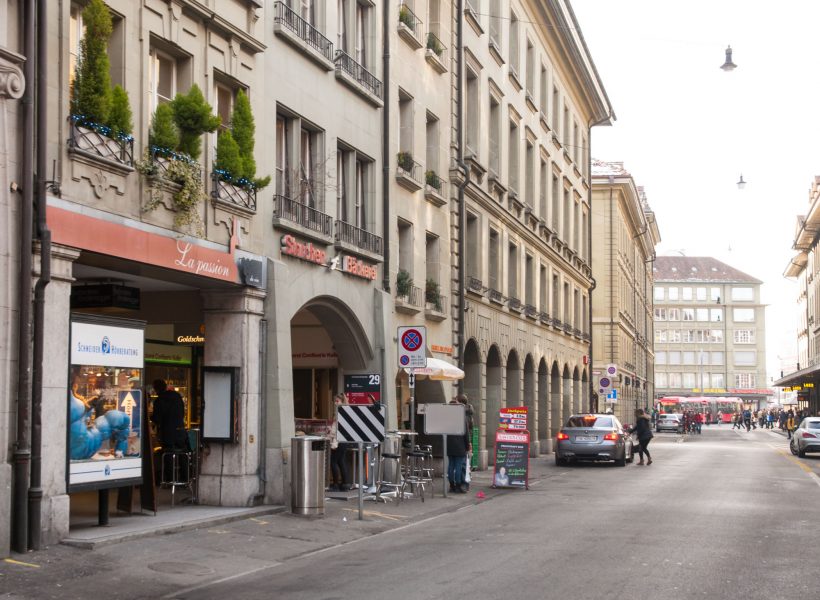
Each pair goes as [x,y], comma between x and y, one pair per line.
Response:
[412,345]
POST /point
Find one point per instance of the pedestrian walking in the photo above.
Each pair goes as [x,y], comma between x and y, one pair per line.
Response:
[789,423]
[643,429]
[340,478]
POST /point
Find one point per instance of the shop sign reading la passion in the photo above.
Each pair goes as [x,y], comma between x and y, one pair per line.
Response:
[309,252]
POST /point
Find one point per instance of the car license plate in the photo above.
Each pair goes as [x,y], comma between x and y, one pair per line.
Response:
[585,438]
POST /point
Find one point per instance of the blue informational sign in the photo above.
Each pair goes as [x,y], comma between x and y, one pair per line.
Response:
[612,395]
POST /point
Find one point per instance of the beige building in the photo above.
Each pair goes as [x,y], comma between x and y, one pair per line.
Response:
[624,236]
[257,305]
[710,330]
[804,382]
[530,98]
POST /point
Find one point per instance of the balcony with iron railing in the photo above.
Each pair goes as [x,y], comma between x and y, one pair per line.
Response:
[436,53]
[408,299]
[435,190]
[531,311]
[100,145]
[409,173]
[302,35]
[495,296]
[515,304]
[475,285]
[435,306]
[410,26]
[232,195]
[300,218]
[358,78]
[356,240]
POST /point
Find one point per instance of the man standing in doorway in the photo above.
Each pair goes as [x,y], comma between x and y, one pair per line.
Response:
[169,417]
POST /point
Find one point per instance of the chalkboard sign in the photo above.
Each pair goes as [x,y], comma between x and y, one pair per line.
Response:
[512,459]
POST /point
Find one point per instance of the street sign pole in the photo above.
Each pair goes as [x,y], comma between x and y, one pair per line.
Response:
[411,383]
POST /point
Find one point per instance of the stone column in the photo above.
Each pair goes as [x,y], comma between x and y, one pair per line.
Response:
[55,504]
[229,474]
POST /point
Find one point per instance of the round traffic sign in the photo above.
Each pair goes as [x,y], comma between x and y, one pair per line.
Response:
[404,359]
[411,340]
[605,382]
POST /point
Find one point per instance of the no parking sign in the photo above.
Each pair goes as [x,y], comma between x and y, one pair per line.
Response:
[412,342]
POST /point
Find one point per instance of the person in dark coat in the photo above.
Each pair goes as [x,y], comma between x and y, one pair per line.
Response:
[457,448]
[643,429]
[169,417]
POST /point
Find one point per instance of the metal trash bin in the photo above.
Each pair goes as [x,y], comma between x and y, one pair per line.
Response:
[307,496]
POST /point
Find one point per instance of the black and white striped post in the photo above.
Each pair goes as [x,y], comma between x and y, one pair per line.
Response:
[360,424]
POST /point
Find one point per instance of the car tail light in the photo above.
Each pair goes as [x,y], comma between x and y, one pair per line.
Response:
[806,434]
[611,437]
[562,436]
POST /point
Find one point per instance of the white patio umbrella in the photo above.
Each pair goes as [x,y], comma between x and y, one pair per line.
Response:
[438,370]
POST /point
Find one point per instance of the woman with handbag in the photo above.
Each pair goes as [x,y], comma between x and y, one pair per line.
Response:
[643,429]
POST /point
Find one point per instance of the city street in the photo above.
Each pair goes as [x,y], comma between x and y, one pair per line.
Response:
[725,515]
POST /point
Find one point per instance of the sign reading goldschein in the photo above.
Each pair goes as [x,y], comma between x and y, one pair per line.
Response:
[105,402]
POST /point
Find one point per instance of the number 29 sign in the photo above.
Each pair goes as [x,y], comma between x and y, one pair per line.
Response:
[412,345]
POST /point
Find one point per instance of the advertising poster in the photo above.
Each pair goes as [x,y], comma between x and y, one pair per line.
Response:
[104,405]
[513,418]
[512,462]
[363,389]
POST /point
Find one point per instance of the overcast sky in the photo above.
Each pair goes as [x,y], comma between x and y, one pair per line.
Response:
[686,130]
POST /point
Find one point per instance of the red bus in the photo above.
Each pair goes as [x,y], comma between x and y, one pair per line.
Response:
[727,407]
[672,405]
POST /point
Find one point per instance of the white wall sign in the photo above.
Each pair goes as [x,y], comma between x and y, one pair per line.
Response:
[106,345]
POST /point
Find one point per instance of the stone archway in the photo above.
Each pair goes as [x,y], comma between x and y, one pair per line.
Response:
[586,404]
[576,391]
[531,404]
[493,402]
[555,400]
[566,396]
[512,384]
[543,408]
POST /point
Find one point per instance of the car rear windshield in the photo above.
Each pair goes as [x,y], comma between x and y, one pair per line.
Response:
[813,424]
[589,421]
[669,417]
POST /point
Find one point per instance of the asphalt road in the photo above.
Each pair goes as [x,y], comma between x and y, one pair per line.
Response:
[723,515]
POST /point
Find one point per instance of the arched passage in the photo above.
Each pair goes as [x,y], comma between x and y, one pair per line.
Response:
[530,403]
[472,373]
[327,339]
[513,381]
[555,400]
[493,403]
[542,401]
[585,400]
[566,400]
[576,391]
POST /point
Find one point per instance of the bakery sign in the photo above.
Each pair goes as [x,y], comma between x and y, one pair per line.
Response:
[358,268]
[303,250]
[309,252]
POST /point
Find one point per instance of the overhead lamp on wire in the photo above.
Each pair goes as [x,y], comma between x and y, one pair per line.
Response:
[728,65]
[740,183]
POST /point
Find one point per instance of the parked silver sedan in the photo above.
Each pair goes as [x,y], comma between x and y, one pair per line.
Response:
[669,422]
[593,437]
[806,438]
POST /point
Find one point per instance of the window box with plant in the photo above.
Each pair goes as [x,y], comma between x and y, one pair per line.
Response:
[172,154]
[435,53]
[434,188]
[234,177]
[408,171]
[410,27]
[407,295]
[101,121]
[433,301]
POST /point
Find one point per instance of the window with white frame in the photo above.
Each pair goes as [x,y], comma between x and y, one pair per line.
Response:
[364,12]
[686,293]
[660,358]
[659,293]
[702,314]
[514,48]
[745,358]
[162,77]
[687,314]
[674,380]
[745,380]
[714,294]
[300,161]
[674,336]
[661,380]
[660,336]
[742,294]
[744,336]
[716,358]
[76,29]
[689,380]
[700,294]
[716,336]
[717,380]
[660,314]
[674,293]
[715,315]
[673,314]
[674,357]
[743,315]
[353,187]
[688,357]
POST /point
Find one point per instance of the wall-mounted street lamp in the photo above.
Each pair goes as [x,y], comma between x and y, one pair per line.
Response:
[728,65]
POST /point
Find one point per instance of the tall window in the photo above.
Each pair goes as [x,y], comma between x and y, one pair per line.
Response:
[306,9]
[473,249]
[495,23]
[283,142]
[530,58]
[363,168]
[745,380]
[556,296]
[543,289]
[342,200]
[352,187]
[514,49]
[556,110]
[405,246]
[432,256]
[555,201]
[363,12]
[529,282]
[432,134]
[342,25]
[512,271]
[512,155]
[494,253]
[224,96]
[163,78]
[567,306]
[544,93]
[405,122]
[529,176]
[471,113]
[495,135]
[543,190]
[567,210]
[75,34]
[300,161]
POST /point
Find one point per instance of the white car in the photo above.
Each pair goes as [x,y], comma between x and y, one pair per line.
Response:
[669,422]
[806,438]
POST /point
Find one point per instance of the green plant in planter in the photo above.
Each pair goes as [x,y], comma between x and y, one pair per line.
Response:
[243,130]
[405,161]
[120,119]
[406,17]
[434,44]
[228,161]
[431,293]
[163,132]
[404,283]
[91,89]
[433,180]
[193,117]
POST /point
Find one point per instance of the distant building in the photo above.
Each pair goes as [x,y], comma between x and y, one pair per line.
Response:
[710,330]
[624,235]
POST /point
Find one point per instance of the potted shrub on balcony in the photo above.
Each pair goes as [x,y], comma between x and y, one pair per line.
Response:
[406,18]
[100,116]
[404,284]
[433,180]
[431,294]
[434,45]
[235,166]
[405,161]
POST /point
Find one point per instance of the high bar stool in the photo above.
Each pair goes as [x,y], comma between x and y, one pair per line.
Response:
[426,469]
[414,476]
[393,485]
[176,470]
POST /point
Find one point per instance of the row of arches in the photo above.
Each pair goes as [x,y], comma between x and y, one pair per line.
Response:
[549,390]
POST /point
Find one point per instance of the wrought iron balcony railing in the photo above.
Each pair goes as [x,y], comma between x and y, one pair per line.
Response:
[308,217]
[231,193]
[94,142]
[348,65]
[286,17]
[361,238]
[409,22]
